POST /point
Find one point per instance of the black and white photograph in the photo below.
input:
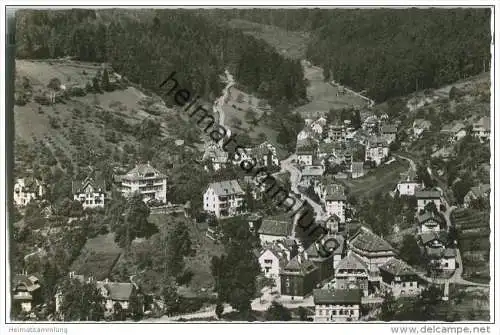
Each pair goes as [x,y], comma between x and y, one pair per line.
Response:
[249,164]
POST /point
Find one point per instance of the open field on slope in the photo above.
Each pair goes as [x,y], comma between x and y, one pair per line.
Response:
[324,96]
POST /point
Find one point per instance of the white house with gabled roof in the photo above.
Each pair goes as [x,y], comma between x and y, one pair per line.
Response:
[224,199]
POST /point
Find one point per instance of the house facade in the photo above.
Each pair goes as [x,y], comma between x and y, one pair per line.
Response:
[146,180]
[26,190]
[224,199]
[26,292]
[91,192]
[376,150]
[429,222]
[400,278]
[419,126]
[388,132]
[371,248]
[306,156]
[298,278]
[427,196]
[336,305]
[334,201]
[351,272]
[408,184]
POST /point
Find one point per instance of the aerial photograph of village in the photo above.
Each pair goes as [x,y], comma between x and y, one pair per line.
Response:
[323,165]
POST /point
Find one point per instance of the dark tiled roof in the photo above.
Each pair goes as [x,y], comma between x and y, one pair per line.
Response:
[428,215]
[427,194]
[351,262]
[335,193]
[97,184]
[141,170]
[332,297]
[227,187]
[441,236]
[30,282]
[300,265]
[397,267]
[276,226]
[117,291]
[366,240]
[440,252]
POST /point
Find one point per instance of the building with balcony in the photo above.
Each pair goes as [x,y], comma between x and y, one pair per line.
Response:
[146,180]
[224,199]
[352,273]
[91,192]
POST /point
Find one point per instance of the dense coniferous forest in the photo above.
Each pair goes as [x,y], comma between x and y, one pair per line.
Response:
[146,46]
[388,52]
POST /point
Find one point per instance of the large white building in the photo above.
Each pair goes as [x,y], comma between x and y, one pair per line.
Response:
[224,199]
[90,192]
[27,189]
[145,180]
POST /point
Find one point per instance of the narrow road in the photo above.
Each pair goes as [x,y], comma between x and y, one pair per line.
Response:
[295,175]
[411,161]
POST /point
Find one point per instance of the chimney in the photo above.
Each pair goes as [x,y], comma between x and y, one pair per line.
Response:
[71,274]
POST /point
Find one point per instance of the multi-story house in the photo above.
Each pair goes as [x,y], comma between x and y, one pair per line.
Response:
[299,277]
[428,221]
[352,273]
[91,192]
[27,189]
[336,305]
[306,155]
[388,132]
[427,196]
[26,292]
[371,248]
[224,199]
[272,257]
[146,180]
[322,258]
[400,278]
[482,128]
[335,201]
[311,174]
[335,133]
[266,155]
[376,150]
[407,183]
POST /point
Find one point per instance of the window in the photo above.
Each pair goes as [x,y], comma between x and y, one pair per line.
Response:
[268,261]
[411,284]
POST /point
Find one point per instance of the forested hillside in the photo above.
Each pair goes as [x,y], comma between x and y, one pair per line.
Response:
[147,46]
[388,52]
